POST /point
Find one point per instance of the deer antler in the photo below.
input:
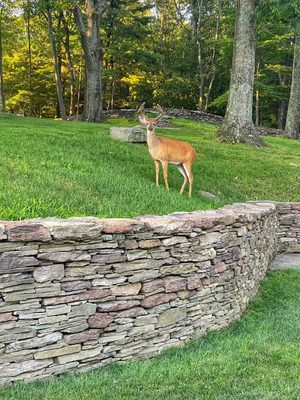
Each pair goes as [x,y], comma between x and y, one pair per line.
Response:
[161,112]
[142,108]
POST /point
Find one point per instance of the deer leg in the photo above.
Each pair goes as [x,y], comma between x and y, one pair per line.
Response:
[157,172]
[188,169]
[165,173]
[182,171]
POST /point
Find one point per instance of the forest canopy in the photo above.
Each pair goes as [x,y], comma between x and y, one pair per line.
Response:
[177,53]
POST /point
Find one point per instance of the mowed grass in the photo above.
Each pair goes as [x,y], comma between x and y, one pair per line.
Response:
[257,358]
[63,169]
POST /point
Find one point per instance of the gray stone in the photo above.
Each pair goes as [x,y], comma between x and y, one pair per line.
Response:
[134,134]
[172,316]
[49,273]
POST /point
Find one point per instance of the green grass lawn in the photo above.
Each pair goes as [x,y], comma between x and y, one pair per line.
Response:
[63,169]
[258,358]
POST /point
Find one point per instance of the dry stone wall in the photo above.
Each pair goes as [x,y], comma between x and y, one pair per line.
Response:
[84,292]
[289,227]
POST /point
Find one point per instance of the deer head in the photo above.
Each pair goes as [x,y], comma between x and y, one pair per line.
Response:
[149,122]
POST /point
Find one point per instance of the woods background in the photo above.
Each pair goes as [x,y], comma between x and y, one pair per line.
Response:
[177,53]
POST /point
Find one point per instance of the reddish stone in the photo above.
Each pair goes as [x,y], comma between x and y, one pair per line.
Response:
[219,267]
[152,286]
[27,232]
[100,320]
[118,305]
[7,317]
[157,299]
[94,294]
[119,225]
[194,283]
[131,313]
[90,334]
[174,284]
[75,285]
[59,300]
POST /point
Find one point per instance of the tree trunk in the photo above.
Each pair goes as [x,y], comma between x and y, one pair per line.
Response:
[293,113]
[238,125]
[2,97]
[91,45]
[29,54]
[70,66]
[56,66]
[281,113]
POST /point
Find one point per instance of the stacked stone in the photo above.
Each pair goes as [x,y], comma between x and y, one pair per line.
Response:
[84,292]
[289,227]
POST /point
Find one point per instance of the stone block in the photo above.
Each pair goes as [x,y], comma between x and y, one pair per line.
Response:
[27,232]
[158,299]
[85,336]
[131,289]
[100,320]
[49,272]
[149,243]
[44,354]
[134,134]
[172,316]
[174,284]
[34,342]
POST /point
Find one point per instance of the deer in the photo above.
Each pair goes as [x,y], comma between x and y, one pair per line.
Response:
[168,151]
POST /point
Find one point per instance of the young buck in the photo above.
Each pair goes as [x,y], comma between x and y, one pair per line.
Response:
[168,151]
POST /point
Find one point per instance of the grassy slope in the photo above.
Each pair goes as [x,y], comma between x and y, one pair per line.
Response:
[258,358]
[56,168]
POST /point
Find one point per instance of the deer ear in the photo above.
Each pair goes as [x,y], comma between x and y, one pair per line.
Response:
[143,119]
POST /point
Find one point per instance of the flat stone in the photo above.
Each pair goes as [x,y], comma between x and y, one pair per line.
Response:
[75,286]
[95,294]
[172,316]
[283,261]
[151,286]
[49,272]
[16,369]
[41,355]
[174,240]
[79,356]
[174,284]
[27,232]
[131,313]
[86,336]
[132,289]
[17,264]
[149,244]
[34,342]
[108,258]
[85,309]
[118,305]
[158,299]
[65,256]
[100,320]
[74,228]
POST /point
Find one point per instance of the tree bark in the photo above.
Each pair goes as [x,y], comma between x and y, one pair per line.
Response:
[238,124]
[91,45]
[293,113]
[56,65]
[29,53]
[2,96]
[70,66]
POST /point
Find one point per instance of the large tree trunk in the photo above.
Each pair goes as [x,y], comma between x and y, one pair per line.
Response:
[28,28]
[90,41]
[56,65]
[293,113]
[2,97]
[70,66]
[238,124]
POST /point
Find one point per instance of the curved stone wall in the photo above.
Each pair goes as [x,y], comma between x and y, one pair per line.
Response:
[84,292]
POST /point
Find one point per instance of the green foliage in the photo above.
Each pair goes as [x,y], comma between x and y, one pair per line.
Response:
[258,358]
